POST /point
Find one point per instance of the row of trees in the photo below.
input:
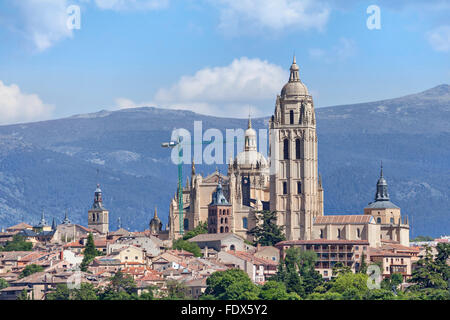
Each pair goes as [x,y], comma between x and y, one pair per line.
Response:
[120,287]
[18,243]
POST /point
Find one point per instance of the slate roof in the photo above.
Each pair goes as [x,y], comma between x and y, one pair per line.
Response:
[382,205]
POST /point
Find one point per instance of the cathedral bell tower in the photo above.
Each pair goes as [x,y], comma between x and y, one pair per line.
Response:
[98,216]
[295,192]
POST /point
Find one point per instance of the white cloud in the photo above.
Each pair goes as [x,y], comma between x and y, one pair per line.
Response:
[343,50]
[237,16]
[123,5]
[439,38]
[231,90]
[16,106]
[44,22]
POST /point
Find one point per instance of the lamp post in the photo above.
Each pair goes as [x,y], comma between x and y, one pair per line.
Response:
[173,144]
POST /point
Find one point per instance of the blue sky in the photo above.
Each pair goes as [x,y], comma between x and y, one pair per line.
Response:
[220,57]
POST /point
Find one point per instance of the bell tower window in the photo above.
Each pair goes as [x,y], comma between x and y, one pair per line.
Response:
[286,149]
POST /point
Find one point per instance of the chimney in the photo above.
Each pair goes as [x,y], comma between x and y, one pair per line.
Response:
[61,255]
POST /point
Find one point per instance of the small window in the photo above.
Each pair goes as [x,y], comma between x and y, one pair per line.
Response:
[358,231]
[392,220]
[321,233]
[245,223]
[378,220]
[297,149]
[339,233]
[299,187]
[286,149]
[291,116]
[284,187]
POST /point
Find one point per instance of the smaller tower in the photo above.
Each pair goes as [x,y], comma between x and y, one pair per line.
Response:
[66,219]
[155,224]
[98,216]
[219,212]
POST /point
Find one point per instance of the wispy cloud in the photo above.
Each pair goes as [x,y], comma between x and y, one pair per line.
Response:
[259,15]
[439,38]
[229,90]
[42,22]
[16,106]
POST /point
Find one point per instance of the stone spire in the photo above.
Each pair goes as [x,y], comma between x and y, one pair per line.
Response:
[155,223]
[382,192]
[294,77]
[42,223]
[66,219]
[98,201]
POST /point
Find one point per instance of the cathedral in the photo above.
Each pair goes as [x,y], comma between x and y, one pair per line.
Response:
[287,183]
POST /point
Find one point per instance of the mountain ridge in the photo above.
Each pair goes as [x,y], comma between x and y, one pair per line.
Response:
[52,165]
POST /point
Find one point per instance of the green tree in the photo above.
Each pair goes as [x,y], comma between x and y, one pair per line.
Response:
[200,229]
[3,284]
[86,291]
[30,269]
[176,290]
[273,290]
[297,272]
[428,273]
[351,286]
[232,284]
[62,292]
[422,238]
[90,252]
[340,268]
[23,295]
[267,232]
[191,247]
[363,264]
[18,243]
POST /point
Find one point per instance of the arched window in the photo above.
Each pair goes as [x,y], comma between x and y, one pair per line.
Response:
[186,224]
[339,233]
[245,223]
[221,229]
[232,247]
[297,149]
[291,116]
[221,220]
[358,231]
[378,220]
[286,149]
[392,220]
[226,229]
[226,220]
[321,233]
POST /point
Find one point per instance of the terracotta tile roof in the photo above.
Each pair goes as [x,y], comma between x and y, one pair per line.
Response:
[212,237]
[32,256]
[400,248]
[321,241]
[343,219]
[251,258]
[386,253]
[19,226]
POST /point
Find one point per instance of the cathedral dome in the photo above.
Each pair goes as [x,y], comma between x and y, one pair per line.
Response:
[294,87]
[251,157]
